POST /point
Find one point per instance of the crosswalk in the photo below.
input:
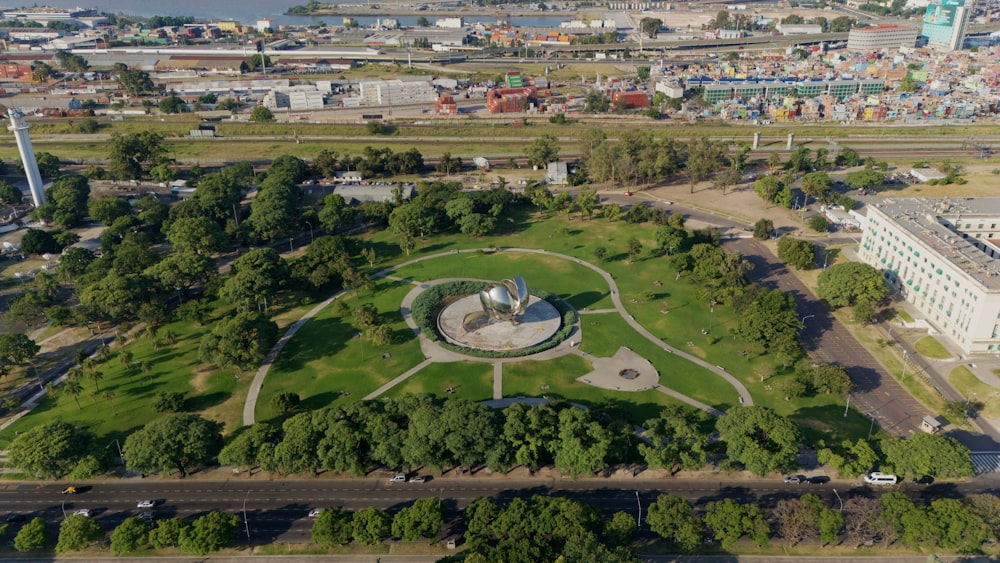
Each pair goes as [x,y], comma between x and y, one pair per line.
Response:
[986,462]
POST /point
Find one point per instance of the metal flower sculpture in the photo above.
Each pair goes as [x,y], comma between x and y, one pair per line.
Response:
[507,301]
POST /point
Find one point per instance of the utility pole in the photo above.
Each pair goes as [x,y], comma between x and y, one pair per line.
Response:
[246,522]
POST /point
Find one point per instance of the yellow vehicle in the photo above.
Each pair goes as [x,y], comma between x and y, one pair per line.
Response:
[69,491]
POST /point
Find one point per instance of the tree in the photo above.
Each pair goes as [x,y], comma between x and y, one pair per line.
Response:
[818,223]
[620,530]
[167,401]
[48,164]
[759,438]
[183,270]
[831,379]
[673,518]
[134,82]
[333,527]
[255,279]
[66,203]
[851,283]
[107,209]
[866,179]
[77,532]
[650,26]
[177,441]
[285,402]
[129,536]
[197,234]
[543,150]
[423,519]
[730,520]
[9,194]
[924,454]
[704,158]
[116,296]
[37,241]
[261,114]
[817,185]
[49,450]
[583,443]
[172,104]
[763,228]
[240,341]
[799,253]
[32,536]
[209,533]
[274,211]
[769,321]
[907,83]
[675,440]
[336,214]
[371,526]
[131,155]
[634,248]
[167,533]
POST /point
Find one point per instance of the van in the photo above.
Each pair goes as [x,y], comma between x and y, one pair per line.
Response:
[398,478]
[877,478]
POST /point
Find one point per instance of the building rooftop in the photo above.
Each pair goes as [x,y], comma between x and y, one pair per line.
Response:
[882,27]
[927,220]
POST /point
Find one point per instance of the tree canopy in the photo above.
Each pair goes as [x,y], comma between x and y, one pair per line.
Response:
[176,441]
[759,438]
[850,283]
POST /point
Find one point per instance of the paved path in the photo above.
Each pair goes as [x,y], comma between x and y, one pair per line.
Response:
[434,353]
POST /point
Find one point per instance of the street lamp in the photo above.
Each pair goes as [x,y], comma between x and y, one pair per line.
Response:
[871,426]
[637,501]
[64,507]
[803,321]
[906,357]
[847,406]
[120,455]
[245,521]
[838,498]
[311,239]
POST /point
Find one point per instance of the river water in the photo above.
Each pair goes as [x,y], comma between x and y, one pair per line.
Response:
[249,11]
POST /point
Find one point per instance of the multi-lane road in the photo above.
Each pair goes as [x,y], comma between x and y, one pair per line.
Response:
[277,510]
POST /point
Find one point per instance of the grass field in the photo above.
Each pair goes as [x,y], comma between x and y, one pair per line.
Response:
[929,347]
[966,383]
[470,380]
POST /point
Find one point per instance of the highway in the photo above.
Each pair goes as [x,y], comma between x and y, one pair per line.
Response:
[277,510]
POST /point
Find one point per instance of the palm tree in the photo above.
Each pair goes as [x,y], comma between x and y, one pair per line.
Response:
[126,358]
[95,376]
[73,389]
[103,351]
[47,284]
[74,374]
[109,396]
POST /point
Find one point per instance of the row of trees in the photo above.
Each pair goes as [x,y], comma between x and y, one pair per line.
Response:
[205,534]
[370,526]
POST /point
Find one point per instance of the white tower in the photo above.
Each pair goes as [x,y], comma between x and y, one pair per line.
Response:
[20,129]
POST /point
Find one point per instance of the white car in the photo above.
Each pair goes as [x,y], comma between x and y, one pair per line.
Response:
[82,512]
[398,478]
[146,504]
[314,513]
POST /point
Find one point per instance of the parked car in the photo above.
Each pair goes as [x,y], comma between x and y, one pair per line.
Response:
[793,479]
[146,504]
[418,479]
[925,480]
[146,515]
[314,513]
[82,512]
[878,478]
[14,518]
[398,478]
[818,480]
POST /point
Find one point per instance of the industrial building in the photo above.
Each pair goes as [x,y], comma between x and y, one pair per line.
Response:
[943,256]
[881,36]
[396,92]
[945,23]
[778,90]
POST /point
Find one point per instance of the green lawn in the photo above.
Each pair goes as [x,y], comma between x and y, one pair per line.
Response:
[470,380]
[327,364]
[175,368]
[929,347]
[966,383]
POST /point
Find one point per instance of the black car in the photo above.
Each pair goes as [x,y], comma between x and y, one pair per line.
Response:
[819,480]
[925,480]
[14,518]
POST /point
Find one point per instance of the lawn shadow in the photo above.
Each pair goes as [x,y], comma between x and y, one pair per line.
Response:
[437,247]
[318,338]
[319,401]
[204,401]
[585,299]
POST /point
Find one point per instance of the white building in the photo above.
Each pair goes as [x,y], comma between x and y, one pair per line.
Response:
[454,23]
[264,25]
[396,92]
[799,28]
[881,36]
[669,87]
[943,256]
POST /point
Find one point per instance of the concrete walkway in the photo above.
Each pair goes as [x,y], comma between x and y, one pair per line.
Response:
[433,353]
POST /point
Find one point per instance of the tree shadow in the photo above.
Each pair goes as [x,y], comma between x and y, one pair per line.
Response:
[204,401]
[317,339]
[585,299]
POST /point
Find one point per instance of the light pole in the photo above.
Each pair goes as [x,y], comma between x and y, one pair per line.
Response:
[871,426]
[290,247]
[311,239]
[838,498]
[64,507]
[803,321]
[637,501]
[120,455]
[245,521]
[847,406]
[906,356]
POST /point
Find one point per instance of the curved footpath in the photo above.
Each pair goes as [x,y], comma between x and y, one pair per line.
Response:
[433,353]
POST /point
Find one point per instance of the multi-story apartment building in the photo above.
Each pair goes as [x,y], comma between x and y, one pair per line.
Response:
[943,256]
[945,22]
[881,36]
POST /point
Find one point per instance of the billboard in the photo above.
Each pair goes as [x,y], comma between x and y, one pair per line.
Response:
[940,15]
